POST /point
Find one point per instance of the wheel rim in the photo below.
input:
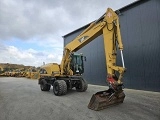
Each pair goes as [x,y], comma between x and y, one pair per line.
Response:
[42,86]
[79,86]
[56,88]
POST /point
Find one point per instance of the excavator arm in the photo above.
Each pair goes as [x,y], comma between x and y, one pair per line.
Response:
[108,26]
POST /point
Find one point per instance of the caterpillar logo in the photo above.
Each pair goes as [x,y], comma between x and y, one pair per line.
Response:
[109,14]
[83,38]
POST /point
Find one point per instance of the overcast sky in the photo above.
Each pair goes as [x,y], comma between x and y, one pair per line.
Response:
[31,30]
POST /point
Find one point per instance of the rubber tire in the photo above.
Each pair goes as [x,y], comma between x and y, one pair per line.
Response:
[59,87]
[83,86]
[48,87]
[45,87]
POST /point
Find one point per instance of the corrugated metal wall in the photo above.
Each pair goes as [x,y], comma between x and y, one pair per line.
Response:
[140,29]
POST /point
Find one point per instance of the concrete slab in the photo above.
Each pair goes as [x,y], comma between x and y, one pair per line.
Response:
[22,99]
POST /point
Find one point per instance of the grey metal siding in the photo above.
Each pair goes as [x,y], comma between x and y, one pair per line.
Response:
[141,36]
[140,29]
[94,66]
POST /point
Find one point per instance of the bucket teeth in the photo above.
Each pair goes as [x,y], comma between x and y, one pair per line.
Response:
[104,99]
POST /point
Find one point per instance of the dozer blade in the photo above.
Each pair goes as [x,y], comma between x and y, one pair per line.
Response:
[103,99]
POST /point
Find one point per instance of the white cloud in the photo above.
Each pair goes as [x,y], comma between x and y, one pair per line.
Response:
[51,56]
[26,19]
[43,22]
[28,57]
[47,41]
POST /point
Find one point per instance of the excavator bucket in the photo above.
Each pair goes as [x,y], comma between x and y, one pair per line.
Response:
[103,99]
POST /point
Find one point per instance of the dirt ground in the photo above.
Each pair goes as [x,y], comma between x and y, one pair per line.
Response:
[22,99]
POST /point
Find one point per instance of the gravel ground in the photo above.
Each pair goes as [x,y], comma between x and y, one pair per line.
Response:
[22,99]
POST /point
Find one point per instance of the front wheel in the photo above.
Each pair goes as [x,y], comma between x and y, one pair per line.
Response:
[82,86]
[59,87]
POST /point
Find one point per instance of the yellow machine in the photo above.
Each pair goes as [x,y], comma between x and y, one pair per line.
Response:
[31,73]
[15,73]
[21,72]
[69,73]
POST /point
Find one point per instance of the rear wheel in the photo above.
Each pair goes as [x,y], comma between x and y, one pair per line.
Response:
[44,86]
[59,87]
[82,87]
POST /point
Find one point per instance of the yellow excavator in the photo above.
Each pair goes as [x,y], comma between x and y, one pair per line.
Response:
[69,73]
[31,73]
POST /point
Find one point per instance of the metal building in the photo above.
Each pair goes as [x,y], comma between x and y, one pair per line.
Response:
[140,29]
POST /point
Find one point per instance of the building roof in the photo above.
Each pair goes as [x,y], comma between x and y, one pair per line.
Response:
[133,4]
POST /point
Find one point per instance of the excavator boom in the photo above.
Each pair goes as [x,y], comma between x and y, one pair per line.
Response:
[108,26]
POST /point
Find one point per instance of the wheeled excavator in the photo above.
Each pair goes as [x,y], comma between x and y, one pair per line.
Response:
[69,73]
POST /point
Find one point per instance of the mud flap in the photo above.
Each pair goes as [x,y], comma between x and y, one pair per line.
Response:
[104,99]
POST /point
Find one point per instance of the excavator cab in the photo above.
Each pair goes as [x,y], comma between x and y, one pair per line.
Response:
[76,63]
